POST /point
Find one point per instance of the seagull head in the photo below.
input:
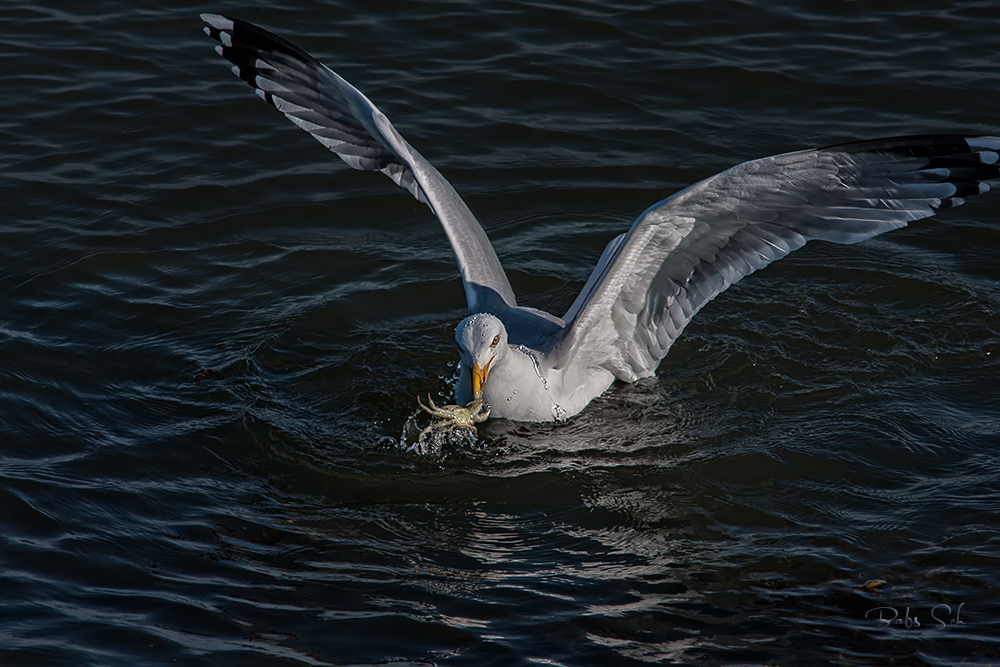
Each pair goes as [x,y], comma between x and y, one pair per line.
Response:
[482,340]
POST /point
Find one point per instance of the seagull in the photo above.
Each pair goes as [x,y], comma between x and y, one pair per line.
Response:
[679,254]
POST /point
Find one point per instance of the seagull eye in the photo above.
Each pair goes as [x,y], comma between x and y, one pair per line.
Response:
[496,339]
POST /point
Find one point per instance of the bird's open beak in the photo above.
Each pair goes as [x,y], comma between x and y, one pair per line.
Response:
[479,377]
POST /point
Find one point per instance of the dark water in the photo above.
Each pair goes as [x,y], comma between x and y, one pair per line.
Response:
[213,331]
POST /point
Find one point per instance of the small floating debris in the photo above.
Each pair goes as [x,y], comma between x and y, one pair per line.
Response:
[871,586]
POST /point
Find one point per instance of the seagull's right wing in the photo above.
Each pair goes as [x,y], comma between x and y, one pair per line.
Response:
[341,118]
[685,250]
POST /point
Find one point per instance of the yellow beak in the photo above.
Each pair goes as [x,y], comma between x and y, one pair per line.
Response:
[478,378]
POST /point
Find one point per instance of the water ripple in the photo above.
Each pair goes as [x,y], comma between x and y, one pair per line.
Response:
[213,333]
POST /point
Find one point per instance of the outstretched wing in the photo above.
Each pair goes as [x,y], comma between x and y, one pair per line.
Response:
[341,118]
[686,249]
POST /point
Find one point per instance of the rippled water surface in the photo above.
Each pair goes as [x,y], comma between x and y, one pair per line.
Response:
[213,331]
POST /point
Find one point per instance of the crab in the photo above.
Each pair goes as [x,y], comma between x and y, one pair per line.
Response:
[452,417]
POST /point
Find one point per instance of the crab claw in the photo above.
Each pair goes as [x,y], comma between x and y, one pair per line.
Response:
[475,406]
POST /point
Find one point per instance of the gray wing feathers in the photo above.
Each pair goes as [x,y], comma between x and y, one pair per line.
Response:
[685,250]
[596,276]
[341,118]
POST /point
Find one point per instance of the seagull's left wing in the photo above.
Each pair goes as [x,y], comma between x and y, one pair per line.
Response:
[341,118]
[685,250]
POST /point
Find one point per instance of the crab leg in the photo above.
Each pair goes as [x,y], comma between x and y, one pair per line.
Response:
[430,410]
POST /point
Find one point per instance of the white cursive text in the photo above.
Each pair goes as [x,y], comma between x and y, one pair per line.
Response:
[940,614]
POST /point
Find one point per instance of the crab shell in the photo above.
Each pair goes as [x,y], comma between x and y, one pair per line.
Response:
[456,415]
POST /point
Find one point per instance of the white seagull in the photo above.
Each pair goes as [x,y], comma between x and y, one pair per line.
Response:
[679,254]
